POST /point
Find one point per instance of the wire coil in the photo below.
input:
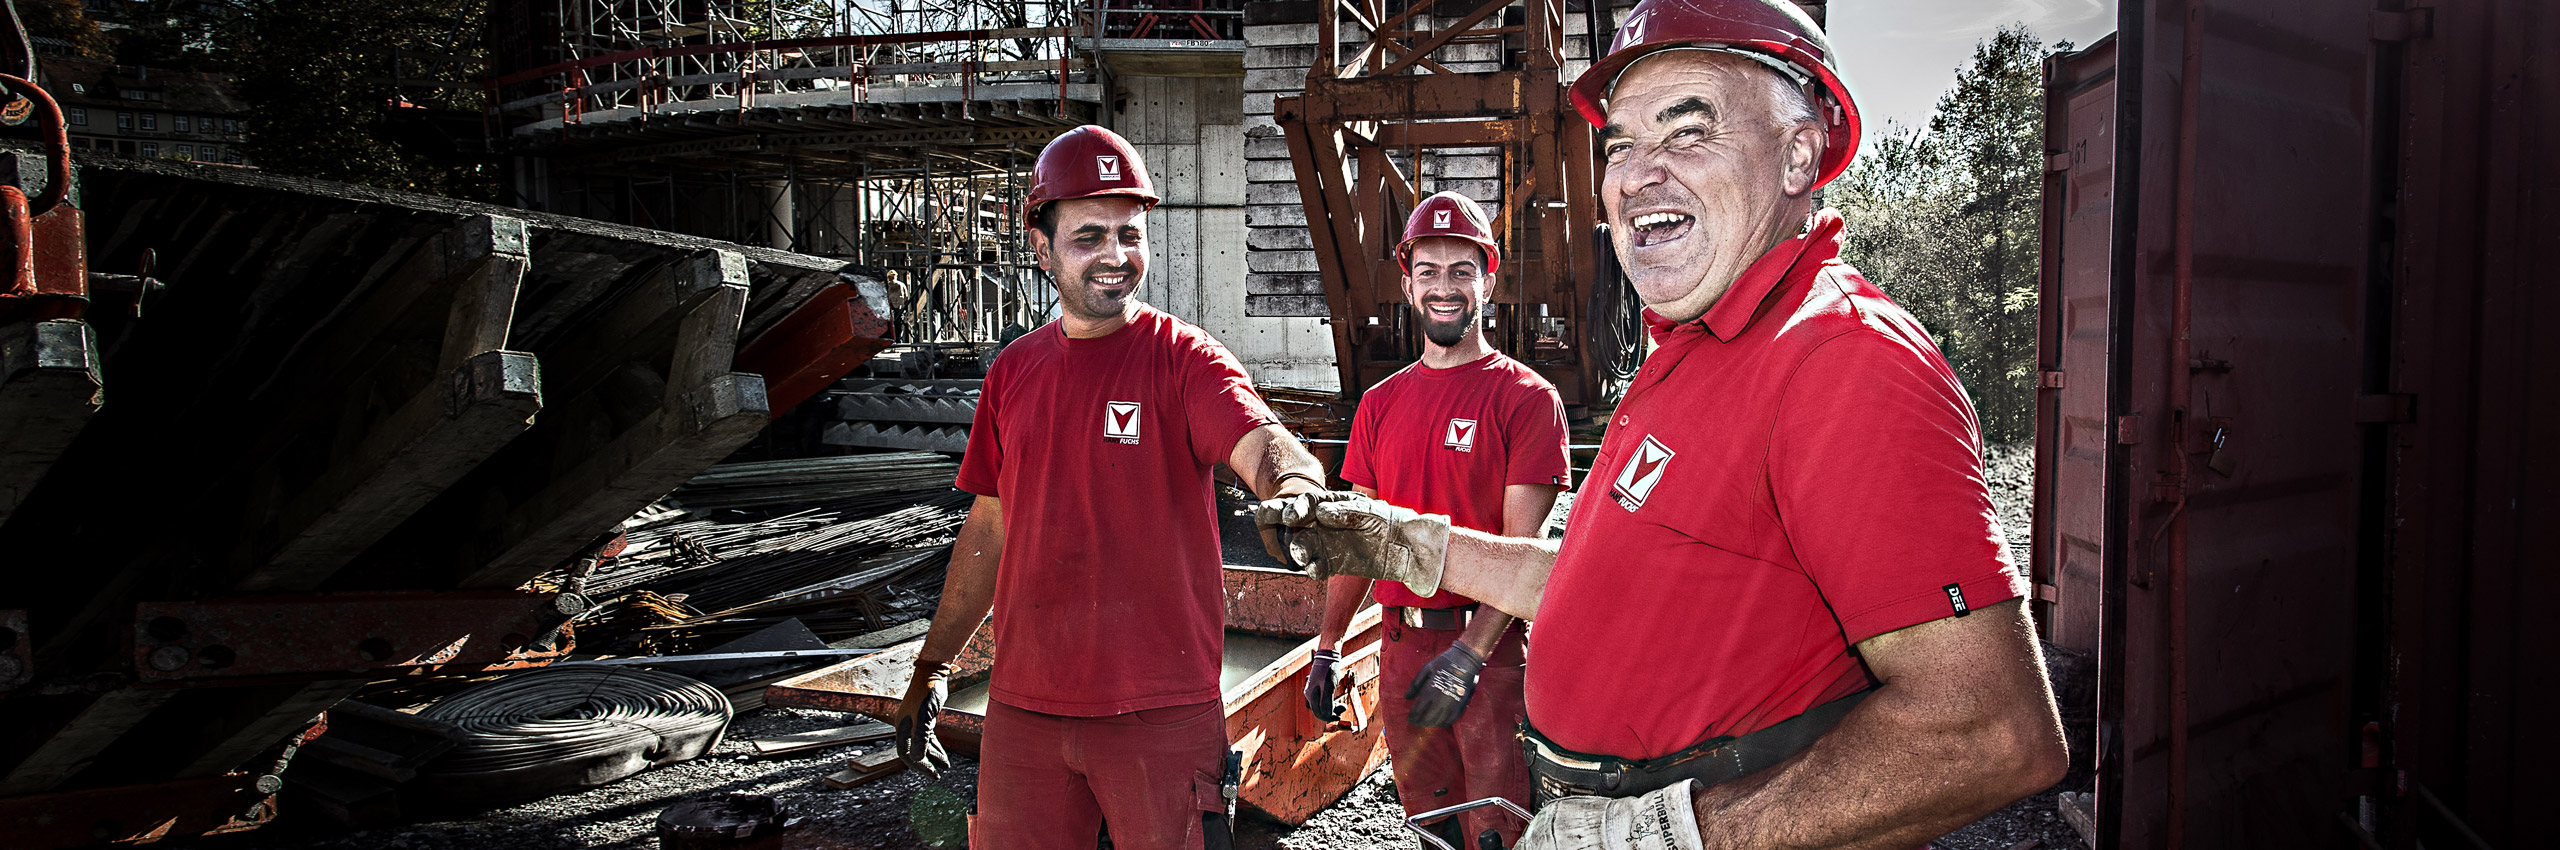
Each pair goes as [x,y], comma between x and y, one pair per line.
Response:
[598,716]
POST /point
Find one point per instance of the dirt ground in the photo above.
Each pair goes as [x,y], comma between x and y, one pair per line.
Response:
[881,815]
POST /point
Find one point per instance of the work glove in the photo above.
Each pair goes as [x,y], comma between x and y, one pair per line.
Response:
[1662,820]
[1320,686]
[1334,533]
[1440,692]
[917,745]
[1275,538]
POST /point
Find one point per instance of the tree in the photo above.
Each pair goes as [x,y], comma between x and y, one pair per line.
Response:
[69,21]
[1945,219]
[317,75]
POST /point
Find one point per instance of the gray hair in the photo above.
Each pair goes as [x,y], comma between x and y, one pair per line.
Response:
[1788,102]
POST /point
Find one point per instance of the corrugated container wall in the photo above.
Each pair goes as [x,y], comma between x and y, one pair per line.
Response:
[2293,412]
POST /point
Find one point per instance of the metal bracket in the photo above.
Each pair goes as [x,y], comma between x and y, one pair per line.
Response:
[2051,379]
[333,634]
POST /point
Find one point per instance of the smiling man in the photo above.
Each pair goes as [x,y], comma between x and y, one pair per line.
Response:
[1783,616]
[1476,435]
[1094,539]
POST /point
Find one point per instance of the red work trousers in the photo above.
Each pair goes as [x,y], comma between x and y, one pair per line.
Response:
[1477,757]
[1047,781]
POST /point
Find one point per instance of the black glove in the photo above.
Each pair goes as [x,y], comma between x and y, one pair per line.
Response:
[1440,692]
[1320,686]
[917,745]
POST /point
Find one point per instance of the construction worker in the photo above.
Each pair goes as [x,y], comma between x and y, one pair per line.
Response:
[1094,539]
[1476,435]
[1782,614]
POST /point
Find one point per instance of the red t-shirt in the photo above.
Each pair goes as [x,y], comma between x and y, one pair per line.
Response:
[1108,595]
[1794,472]
[1447,441]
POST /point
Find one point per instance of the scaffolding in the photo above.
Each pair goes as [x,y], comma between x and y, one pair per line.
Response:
[896,134]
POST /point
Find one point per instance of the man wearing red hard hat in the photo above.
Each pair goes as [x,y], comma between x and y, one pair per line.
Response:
[1783,615]
[1476,435]
[1094,539]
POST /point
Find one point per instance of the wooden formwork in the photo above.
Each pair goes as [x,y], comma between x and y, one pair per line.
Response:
[332,445]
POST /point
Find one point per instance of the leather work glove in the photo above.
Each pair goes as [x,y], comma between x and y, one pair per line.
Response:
[1275,538]
[917,745]
[1662,820]
[1320,686]
[1335,533]
[1440,692]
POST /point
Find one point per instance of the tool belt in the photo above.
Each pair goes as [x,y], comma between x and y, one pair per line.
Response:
[1436,619]
[1556,772]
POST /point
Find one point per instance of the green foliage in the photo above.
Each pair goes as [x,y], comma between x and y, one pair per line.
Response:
[316,76]
[67,20]
[1945,219]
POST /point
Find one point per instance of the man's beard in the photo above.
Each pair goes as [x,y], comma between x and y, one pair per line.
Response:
[1089,303]
[1447,334]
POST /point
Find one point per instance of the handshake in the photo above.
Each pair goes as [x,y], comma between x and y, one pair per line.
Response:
[1331,532]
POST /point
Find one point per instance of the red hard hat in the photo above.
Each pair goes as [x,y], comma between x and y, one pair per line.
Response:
[1775,29]
[1449,214]
[1087,162]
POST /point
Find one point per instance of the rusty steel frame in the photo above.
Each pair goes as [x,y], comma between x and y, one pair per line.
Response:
[1390,95]
[330,635]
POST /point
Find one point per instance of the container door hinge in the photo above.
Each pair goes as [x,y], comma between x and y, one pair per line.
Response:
[2051,379]
[2129,430]
[2403,26]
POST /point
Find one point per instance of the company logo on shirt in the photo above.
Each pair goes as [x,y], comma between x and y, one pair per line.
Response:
[1107,168]
[1644,468]
[1120,422]
[1462,435]
[1439,219]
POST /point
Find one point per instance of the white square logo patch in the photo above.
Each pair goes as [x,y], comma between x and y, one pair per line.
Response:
[1440,219]
[1120,422]
[1642,472]
[1107,168]
[1462,435]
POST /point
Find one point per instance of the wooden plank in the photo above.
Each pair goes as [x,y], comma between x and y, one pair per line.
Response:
[49,387]
[875,760]
[429,443]
[647,312]
[625,475]
[783,745]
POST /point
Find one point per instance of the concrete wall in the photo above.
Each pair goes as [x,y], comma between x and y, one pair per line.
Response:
[1191,131]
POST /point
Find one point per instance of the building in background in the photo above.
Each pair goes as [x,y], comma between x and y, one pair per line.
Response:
[144,112]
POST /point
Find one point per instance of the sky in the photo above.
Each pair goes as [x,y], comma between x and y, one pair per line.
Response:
[1900,55]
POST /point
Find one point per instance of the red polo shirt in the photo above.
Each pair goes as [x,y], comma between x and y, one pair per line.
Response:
[1794,472]
[1447,441]
[1107,599]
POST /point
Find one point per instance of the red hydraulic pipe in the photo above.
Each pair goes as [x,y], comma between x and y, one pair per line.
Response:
[22,241]
[2183,275]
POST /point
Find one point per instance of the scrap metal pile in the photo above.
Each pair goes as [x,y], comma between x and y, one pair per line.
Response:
[845,545]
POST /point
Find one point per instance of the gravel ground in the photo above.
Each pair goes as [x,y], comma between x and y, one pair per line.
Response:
[877,816]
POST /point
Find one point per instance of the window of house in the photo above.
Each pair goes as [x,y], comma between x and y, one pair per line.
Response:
[231,156]
[150,149]
[186,151]
[185,124]
[81,142]
[79,115]
[230,125]
[150,120]
[124,120]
